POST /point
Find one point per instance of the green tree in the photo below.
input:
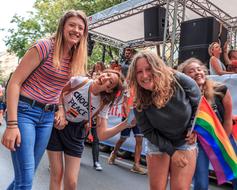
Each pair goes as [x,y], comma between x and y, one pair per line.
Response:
[42,23]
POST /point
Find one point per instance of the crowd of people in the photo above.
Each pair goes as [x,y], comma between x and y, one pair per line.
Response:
[53,103]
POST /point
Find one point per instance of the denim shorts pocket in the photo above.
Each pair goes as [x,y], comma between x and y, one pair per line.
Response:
[23,107]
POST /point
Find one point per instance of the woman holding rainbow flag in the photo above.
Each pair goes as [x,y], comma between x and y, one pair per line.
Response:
[219,98]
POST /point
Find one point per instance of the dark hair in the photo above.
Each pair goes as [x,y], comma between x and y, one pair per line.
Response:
[108,98]
[230,53]
[114,61]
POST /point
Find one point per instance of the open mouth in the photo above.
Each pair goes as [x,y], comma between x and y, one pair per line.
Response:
[100,81]
[74,36]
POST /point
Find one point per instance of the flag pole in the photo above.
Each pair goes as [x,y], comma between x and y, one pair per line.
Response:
[195,118]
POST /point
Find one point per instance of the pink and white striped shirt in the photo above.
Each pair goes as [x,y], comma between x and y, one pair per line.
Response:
[47,82]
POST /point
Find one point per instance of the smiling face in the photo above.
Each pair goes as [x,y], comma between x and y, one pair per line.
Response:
[216,49]
[144,74]
[196,72]
[107,81]
[73,30]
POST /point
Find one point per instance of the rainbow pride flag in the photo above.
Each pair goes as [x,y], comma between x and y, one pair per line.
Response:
[215,142]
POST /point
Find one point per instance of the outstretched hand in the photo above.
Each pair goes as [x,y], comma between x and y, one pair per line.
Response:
[132,123]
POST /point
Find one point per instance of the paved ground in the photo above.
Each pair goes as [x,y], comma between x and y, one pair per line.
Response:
[113,177]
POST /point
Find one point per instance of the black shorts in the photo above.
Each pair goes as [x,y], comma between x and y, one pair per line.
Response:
[69,140]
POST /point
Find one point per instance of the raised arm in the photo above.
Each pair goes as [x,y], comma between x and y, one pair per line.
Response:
[225,53]
[227,103]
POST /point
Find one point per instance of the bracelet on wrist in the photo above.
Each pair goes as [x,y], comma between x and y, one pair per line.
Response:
[12,127]
[11,121]
[60,105]
[12,124]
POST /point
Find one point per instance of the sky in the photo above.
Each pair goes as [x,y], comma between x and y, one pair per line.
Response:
[7,10]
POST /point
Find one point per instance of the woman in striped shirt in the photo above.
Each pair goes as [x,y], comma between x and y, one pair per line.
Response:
[34,90]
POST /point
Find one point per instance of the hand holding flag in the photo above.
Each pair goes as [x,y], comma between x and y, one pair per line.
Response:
[215,142]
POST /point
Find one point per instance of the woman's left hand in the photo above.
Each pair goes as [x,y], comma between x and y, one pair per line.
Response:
[179,158]
[191,137]
[132,123]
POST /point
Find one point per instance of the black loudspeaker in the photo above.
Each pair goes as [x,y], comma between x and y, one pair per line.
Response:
[90,45]
[197,34]
[199,52]
[154,23]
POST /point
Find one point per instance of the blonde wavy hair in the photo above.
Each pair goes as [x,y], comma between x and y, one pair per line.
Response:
[79,51]
[162,77]
[210,48]
[210,86]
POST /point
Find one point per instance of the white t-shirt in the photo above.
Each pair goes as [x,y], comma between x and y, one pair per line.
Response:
[76,102]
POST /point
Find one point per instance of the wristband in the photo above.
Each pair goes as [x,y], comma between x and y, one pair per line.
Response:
[11,121]
[12,124]
[12,127]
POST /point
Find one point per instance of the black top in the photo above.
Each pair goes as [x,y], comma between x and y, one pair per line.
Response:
[218,105]
[124,67]
[167,127]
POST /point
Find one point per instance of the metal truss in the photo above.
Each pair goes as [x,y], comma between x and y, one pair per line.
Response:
[233,22]
[174,16]
[103,39]
[175,13]
[206,8]
[233,39]
[127,13]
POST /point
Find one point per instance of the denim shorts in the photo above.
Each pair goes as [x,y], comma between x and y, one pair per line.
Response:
[126,132]
[69,140]
[153,149]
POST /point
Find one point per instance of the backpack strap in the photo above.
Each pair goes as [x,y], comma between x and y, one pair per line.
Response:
[88,123]
[98,111]
[90,116]
[76,87]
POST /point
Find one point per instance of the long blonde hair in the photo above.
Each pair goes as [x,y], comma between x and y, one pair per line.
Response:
[210,86]
[79,51]
[163,81]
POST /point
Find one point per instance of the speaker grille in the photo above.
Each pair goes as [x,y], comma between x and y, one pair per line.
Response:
[154,23]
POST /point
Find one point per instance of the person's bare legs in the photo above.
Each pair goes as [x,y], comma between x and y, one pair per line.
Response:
[72,169]
[138,150]
[118,145]
[158,170]
[181,177]
[1,117]
[113,154]
[56,169]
